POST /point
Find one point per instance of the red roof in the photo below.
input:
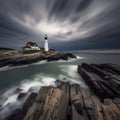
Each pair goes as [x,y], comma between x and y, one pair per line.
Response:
[30,44]
[27,46]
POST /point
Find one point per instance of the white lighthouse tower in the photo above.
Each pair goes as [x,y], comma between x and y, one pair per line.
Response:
[46,43]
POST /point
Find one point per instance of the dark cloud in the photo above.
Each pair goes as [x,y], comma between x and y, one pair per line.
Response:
[101,42]
[82,5]
[70,24]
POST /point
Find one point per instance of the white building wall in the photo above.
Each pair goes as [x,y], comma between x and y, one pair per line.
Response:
[33,48]
[46,45]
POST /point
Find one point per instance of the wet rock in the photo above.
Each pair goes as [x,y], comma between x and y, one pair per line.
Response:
[73,102]
[110,77]
[76,99]
[19,114]
[62,56]
[93,78]
[16,115]
[48,105]
[29,102]
[113,67]
[29,59]
[75,114]
[18,90]
[58,82]
[21,96]
[32,89]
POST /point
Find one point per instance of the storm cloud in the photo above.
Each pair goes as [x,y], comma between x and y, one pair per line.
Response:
[70,24]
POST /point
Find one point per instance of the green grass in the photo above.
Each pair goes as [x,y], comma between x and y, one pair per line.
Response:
[2,48]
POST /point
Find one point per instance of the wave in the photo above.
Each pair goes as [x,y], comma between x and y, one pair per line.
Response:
[79,57]
[69,72]
[37,63]
[9,100]
[42,62]
[4,68]
[9,67]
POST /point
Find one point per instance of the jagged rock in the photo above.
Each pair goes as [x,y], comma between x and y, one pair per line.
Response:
[111,110]
[51,104]
[63,56]
[65,87]
[73,102]
[76,115]
[29,102]
[19,114]
[58,82]
[16,115]
[111,77]
[36,109]
[100,87]
[21,96]
[99,114]
[113,67]
[18,90]
[76,98]
[32,89]
[29,59]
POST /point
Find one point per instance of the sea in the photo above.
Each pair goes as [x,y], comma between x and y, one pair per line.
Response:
[30,78]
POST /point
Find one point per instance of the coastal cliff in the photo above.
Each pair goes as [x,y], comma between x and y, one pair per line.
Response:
[100,101]
[16,58]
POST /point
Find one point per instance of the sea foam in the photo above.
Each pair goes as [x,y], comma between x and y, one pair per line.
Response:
[9,98]
[70,73]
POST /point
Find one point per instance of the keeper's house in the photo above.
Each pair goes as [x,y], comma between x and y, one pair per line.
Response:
[31,46]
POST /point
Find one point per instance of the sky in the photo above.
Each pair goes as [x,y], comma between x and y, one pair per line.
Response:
[69,24]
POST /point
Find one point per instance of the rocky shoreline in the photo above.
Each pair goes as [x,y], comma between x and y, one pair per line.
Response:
[100,101]
[32,58]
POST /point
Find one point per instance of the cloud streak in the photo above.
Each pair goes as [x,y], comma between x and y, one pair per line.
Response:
[65,21]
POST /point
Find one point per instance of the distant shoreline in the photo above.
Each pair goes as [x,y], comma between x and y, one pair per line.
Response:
[112,51]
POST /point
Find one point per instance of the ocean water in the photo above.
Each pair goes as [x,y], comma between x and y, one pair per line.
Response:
[31,77]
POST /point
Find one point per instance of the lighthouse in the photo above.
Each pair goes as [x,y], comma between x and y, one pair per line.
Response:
[46,43]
